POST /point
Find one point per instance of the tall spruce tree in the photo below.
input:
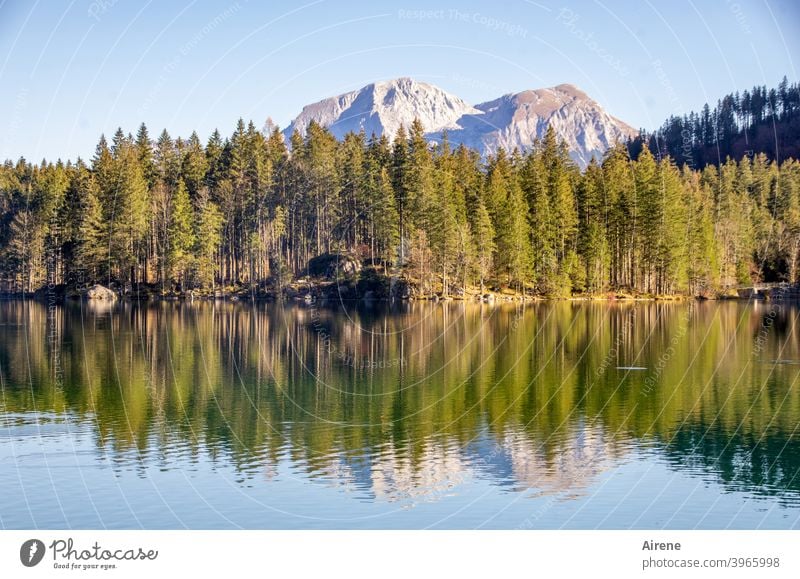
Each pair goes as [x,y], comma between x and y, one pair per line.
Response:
[181,235]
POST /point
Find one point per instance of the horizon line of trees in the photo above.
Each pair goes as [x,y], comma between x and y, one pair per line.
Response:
[248,211]
[758,120]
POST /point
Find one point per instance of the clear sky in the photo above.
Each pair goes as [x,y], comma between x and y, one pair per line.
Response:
[71,70]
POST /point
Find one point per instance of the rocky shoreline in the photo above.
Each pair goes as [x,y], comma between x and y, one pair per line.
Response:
[374,287]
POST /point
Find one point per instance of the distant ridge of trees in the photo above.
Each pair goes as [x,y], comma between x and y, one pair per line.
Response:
[739,125]
[248,212]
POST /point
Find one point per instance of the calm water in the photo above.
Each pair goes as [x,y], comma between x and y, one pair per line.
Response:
[555,415]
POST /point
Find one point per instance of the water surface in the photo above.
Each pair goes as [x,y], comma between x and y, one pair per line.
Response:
[552,415]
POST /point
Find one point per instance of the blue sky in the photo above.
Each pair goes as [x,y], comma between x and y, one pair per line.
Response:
[72,70]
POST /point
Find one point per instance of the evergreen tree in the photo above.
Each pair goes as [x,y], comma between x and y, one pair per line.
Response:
[419,181]
[144,151]
[127,204]
[92,250]
[400,183]
[506,204]
[592,241]
[207,238]
[535,178]
[483,235]
[671,259]
[651,193]
[181,235]
[194,165]
[702,252]
[622,213]
[447,220]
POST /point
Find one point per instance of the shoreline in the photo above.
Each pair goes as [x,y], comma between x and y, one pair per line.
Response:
[325,291]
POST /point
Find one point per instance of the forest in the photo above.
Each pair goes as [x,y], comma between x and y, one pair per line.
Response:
[248,212]
[741,124]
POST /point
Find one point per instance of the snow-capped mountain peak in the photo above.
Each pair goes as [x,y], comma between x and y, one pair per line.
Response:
[382,107]
[510,121]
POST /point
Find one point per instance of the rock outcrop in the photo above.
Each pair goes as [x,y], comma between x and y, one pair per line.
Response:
[99,292]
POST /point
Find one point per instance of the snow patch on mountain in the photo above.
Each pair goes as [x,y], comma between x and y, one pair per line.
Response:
[383,107]
[513,121]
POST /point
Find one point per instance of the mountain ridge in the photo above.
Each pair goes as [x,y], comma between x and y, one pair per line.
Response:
[513,120]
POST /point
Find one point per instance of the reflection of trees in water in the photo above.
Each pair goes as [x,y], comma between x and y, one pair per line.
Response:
[768,465]
[412,400]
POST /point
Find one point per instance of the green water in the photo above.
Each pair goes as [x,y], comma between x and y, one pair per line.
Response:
[553,415]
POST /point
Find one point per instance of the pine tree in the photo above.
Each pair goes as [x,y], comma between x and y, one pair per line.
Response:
[592,241]
[447,220]
[420,260]
[353,177]
[400,183]
[322,194]
[534,177]
[671,257]
[701,250]
[512,228]
[562,199]
[181,235]
[127,205]
[80,180]
[419,183]
[383,222]
[92,251]
[787,234]
[622,213]
[651,193]
[25,247]
[194,165]
[483,235]
[144,151]
[207,238]
[733,224]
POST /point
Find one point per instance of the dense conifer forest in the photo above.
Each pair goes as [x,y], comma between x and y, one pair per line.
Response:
[248,212]
[740,125]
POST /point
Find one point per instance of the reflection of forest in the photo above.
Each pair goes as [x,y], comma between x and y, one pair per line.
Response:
[411,401]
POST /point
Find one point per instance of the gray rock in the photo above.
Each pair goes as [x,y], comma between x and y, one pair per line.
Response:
[99,292]
[333,265]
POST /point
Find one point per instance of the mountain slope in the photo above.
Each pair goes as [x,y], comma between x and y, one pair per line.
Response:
[382,107]
[511,121]
[516,120]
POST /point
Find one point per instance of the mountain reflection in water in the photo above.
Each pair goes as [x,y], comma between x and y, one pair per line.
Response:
[411,405]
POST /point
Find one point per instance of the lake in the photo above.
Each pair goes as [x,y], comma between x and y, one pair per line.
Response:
[571,414]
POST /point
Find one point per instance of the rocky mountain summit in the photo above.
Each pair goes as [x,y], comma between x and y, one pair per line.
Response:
[510,121]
